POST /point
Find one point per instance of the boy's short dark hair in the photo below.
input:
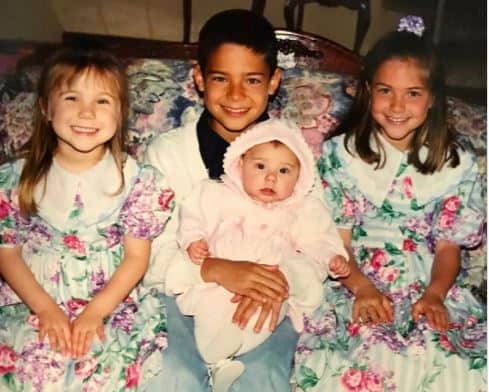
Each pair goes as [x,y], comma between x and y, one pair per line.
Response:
[242,27]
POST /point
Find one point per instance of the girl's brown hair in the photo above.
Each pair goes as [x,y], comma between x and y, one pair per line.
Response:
[434,133]
[63,68]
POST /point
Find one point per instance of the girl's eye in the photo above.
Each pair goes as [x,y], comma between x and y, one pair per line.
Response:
[70,98]
[284,170]
[218,79]
[414,93]
[103,101]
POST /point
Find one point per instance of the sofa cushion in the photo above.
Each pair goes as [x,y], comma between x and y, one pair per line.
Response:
[162,97]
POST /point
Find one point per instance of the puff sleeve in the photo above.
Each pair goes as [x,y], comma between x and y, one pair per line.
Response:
[148,206]
[460,214]
[339,192]
[9,209]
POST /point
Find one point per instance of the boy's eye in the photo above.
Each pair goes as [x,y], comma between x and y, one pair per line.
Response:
[284,170]
[254,81]
[103,101]
[383,90]
[70,98]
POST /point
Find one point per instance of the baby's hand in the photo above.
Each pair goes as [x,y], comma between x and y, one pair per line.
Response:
[339,266]
[198,251]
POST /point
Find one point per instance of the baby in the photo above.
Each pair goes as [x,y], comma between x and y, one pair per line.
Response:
[260,211]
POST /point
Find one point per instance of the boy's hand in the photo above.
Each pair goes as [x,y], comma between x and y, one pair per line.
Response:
[260,282]
[371,306]
[431,305]
[339,266]
[247,307]
[54,324]
[198,251]
[84,328]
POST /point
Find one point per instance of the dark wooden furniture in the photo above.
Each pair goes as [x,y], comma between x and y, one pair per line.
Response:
[294,15]
[309,50]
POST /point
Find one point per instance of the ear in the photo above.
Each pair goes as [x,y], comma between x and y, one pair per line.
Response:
[44,109]
[198,77]
[274,81]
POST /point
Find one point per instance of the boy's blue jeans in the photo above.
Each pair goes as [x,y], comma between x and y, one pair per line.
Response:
[267,367]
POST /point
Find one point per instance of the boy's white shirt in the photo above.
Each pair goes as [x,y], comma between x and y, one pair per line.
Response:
[176,154]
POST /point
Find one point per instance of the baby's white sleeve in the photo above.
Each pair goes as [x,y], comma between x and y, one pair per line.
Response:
[317,236]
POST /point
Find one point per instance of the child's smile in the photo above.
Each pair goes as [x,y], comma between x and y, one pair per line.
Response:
[84,115]
[236,85]
[400,100]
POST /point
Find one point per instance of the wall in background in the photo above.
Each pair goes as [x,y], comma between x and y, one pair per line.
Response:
[44,20]
[31,20]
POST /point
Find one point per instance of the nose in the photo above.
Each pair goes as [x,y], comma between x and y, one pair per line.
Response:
[397,103]
[86,111]
[271,176]
[235,91]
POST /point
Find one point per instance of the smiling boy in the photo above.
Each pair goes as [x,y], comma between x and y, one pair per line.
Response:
[236,73]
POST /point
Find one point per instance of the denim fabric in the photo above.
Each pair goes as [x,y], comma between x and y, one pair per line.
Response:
[267,367]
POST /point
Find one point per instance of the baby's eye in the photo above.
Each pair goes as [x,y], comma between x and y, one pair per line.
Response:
[284,170]
[260,166]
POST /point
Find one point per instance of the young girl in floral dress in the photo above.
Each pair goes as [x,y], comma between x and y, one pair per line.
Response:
[406,199]
[77,218]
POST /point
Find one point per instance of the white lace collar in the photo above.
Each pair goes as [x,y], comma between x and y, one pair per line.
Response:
[95,187]
[375,184]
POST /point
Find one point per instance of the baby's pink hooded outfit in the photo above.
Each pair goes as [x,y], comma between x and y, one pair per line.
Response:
[237,227]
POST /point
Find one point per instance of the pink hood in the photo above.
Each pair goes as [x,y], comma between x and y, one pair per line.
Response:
[266,131]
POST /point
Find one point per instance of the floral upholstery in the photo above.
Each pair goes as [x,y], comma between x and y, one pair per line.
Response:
[163,96]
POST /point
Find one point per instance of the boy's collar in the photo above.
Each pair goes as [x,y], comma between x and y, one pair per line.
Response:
[212,146]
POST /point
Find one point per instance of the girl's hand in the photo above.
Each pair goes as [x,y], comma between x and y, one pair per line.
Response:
[339,266]
[85,326]
[431,305]
[260,282]
[247,307]
[54,324]
[371,306]
[198,251]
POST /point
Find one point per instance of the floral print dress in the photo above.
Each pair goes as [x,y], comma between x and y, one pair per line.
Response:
[396,215]
[73,246]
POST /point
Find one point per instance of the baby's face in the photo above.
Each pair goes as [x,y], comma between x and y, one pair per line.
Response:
[269,172]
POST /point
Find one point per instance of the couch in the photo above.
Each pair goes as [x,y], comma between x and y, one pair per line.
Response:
[318,84]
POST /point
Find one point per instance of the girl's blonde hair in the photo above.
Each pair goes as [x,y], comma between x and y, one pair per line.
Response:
[433,133]
[63,68]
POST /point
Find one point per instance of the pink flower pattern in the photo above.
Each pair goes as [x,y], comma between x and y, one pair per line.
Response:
[393,241]
[72,266]
[8,359]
